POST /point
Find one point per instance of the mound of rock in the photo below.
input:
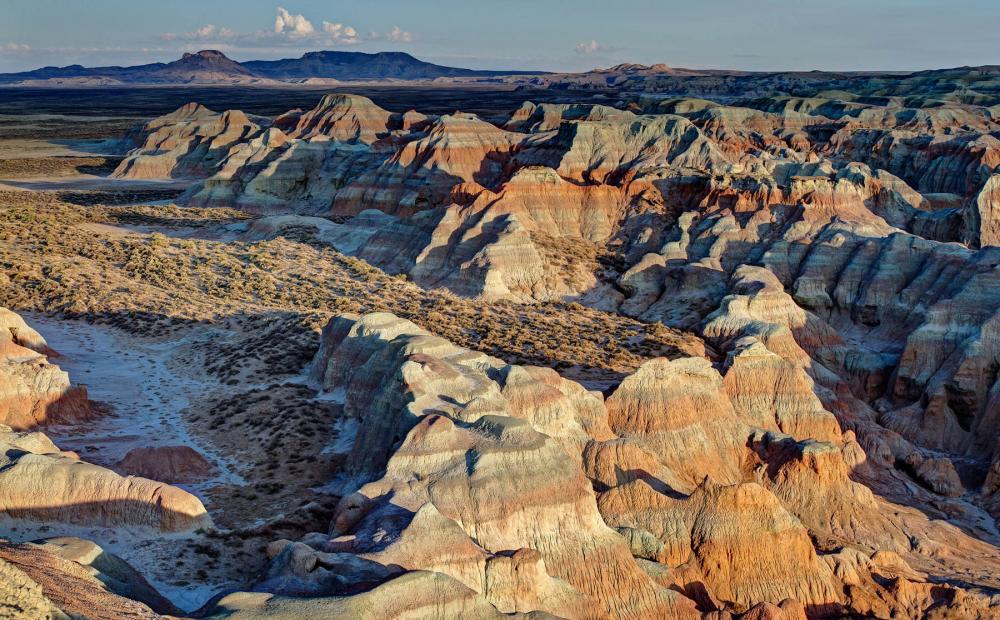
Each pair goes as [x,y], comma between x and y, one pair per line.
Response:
[39,483]
[170,464]
[191,142]
[347,118]
[41,582]
[33,391]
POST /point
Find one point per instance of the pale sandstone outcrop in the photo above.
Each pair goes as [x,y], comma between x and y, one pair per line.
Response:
[33,391]
[413,372]
[114,573]
[21,598]
[37,584]
[542,502]
[413,595]
[13,328]
[192,141]
[52,486]
[303,160]
[36,442]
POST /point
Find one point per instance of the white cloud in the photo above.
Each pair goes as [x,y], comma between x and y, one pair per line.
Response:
[397,34]
[205,33]
[16,47]
[590,47]
[290,31]
[339,33]
[295,26]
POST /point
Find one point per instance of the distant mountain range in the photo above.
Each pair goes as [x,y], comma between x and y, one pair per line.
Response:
[214,67]
[969,85]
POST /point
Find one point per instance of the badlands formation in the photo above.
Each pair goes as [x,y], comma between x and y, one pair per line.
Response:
[815,434]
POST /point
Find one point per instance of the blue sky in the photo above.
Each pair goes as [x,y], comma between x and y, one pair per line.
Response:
[514,34]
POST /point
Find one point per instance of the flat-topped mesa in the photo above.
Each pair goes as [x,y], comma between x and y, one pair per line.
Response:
[191,142]
[39,483]
[348,118]
[33,391]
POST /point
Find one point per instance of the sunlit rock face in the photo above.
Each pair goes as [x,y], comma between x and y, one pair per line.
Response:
[191,142]
[54,487]
[33,390]
[487,457]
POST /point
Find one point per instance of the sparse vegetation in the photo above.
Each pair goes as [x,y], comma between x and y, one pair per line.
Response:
[52,263]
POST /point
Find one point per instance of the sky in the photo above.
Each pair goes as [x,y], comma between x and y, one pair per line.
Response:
[554,35]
